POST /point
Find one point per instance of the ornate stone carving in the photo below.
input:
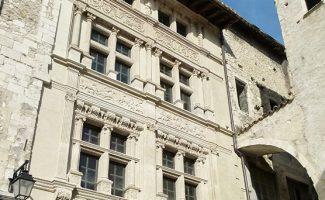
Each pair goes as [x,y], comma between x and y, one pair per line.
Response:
[111,95]
[180,124]
[124,17]
[63,195]
[177,46]
[179,143]
[157,52]
[70,96]
[107,117]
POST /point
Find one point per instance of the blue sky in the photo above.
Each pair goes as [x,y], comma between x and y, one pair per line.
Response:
[262,13]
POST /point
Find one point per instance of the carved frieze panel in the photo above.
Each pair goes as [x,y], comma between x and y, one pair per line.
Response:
[107,117]
[111,95]
[180,143]
[125,18]
[166,40]
[181,124]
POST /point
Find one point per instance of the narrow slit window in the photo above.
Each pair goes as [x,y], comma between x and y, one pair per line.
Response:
[242,95]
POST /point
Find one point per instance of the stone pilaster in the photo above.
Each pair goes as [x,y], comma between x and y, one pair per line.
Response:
[137,82]
[180,182]
[159,172]
[155,70]
[196,82]
[85,40]
[200,172]
[104,184]
[112,56]
[176,88]
[150,86]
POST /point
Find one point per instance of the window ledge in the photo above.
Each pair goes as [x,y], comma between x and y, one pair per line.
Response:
[175,174]
[313,9]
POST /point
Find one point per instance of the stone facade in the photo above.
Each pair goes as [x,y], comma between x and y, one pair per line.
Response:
[27,31]
[104,67]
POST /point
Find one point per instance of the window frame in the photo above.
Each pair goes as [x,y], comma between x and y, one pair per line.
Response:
[241,89]
[121,66]
[115,143]
[99,37]
[115,176]
[165,69]
[166,189]
[181,28]
[90,134]
[161,18]
[95,64]
[166,161]
[168,94]
[124,50]
[184,79]
[189,169]
[187,101]
[86,171]
[187,191]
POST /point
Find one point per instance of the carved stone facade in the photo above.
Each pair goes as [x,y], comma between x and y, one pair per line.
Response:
[111,83]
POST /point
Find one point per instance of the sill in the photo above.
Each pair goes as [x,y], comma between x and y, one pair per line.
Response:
[313,9]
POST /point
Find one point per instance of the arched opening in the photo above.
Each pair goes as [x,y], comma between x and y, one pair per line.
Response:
[275,174]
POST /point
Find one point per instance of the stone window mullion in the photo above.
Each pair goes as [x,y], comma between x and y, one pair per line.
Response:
[137,75]
[104,184]
[159,172]
[176,88]
[180,182]
[85,40]
[112,40]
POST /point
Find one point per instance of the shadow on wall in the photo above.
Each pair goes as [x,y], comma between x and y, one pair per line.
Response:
[1,5]
[320,186]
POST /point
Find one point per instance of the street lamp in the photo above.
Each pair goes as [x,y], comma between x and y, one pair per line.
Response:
[21,184]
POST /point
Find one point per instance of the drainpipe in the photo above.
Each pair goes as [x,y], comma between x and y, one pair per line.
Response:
[233,129]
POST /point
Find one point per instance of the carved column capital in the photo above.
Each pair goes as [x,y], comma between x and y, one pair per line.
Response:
[133,136]
[107,128]
[148,46]
[157,52]
[138,42]
[180,153]
[160,145]
[90,17]
[115,31]
[196,73]
[70,97]
[80,117]
[177,63]
[201,160]
[79,7]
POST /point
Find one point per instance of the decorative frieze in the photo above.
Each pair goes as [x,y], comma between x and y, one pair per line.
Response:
[180,143]
[122,16]
[63,195]
[107,117]
[111,95]
[166,40]
[181,124]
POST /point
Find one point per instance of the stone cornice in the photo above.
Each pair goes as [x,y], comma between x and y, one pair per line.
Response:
[107,117]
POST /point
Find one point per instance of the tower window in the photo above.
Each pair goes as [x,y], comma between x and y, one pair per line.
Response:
[186,98]
[123,72]
[90,134]
[168,93]
[98,37]
[88,167]
[129,1]
[168,159]
[117,174]
[118,143]
[242,95]
[190,192]
[181,29]
[311,3]
[189,166]
[169,188]
[99,61]
[163,18]
[123,49]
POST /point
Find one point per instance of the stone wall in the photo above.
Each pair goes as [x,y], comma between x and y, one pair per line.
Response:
[248,63]
[27,31]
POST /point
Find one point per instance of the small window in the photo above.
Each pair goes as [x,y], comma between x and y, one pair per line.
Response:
[189,166]
[118,142]
[123,49]
[186,98]
[184,79]
[88,167]
[169,188]
[117,174]
[165,70]
[190,192]
[311,3]
[168,95]
[163,18]
[123,72]
[99,61]
[129,1]
[98,37]
[168,159]
[181,29]
[242,95]
[91,134]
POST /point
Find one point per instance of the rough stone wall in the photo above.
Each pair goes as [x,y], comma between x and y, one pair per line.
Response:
[27,31]
[304,39]
[249,64]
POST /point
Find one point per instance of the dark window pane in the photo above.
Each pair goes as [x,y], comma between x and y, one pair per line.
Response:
[190,192]
[242,95]
[168,95]
[123,72]
[123,49]
[129,1]
[311,3]
[118,143]
[189,166]
[187,101]
[99,61]
[91,133]
[116,174]
[88,166]
[163,18]
[168,159]
[98,37]
[181,29]
[165,70]
[184,79]
[169,188]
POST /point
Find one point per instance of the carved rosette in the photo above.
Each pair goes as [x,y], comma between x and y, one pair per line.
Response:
[107,117]
[180,143]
